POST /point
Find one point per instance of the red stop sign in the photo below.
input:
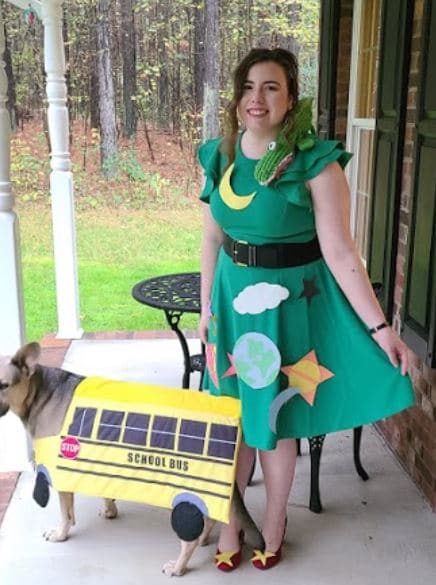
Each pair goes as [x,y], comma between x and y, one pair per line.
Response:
[70,447]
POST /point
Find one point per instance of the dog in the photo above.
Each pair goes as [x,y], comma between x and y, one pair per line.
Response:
[41,397]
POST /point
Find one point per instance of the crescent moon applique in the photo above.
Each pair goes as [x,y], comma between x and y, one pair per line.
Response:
[229,197]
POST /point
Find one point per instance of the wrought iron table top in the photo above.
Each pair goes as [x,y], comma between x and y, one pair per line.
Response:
[170,292]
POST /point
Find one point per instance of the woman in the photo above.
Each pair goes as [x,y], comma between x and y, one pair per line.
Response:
[290,321]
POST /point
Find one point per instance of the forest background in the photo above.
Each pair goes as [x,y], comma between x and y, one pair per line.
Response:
[147,79]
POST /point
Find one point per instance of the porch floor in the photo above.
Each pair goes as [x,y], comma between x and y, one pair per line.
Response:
[379,532]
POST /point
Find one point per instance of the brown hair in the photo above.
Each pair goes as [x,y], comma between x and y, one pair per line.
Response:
[287,62]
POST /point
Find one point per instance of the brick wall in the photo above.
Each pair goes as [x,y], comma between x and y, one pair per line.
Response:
[343,72]
[411,434]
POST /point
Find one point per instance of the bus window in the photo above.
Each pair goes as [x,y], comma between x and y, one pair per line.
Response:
[163,433]
[82,423]
[136,428]
[222,441]
[110,425]
[191,437]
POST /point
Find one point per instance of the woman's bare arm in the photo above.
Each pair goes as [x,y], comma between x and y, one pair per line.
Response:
[331,200]
[212,240]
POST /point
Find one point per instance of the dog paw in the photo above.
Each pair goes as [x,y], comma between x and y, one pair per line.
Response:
[55,535]
[110,512]
[110,509]
[171,570]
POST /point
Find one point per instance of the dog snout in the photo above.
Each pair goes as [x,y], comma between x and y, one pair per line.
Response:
[3,408]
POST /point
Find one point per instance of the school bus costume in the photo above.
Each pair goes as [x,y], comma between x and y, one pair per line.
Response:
[144,443]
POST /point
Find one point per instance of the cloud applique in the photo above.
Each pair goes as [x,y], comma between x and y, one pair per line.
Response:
[259,297]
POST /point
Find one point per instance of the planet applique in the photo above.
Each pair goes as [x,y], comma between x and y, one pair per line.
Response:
[304,378]
[306,374]
[256,360]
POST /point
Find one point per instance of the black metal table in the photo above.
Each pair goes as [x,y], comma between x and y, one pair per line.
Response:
[175,294]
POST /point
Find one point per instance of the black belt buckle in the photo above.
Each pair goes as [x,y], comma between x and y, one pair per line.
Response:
[251,253]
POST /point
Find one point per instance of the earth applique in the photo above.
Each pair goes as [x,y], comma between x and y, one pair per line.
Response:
[255,360]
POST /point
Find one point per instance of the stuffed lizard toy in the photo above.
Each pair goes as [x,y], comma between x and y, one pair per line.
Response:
[281,152]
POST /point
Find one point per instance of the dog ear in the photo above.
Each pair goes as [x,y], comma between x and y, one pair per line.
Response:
[26,357]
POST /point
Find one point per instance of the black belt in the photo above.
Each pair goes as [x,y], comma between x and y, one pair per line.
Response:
[272,255]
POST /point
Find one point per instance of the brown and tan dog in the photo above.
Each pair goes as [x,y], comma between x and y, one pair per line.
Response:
[40,397]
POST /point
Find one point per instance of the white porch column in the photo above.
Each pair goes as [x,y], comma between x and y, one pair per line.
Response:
[61,179]
[11,297]
[14,447]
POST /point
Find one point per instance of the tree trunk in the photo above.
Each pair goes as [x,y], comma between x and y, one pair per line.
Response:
[198,54]
[94,110]
[291,42]
[94,100]
[11,104]
[108,146]
[163,85]
[176,97]
[211,73]
[250,21]
[128,50]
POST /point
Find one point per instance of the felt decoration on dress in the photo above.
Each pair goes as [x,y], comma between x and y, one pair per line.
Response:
[211,362]
[229,197]
[255,360]
[257,298]
[304,378]
[310,290]
[306,375]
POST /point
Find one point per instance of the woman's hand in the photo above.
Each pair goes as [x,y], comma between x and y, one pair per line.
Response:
[394,348]
[203,327]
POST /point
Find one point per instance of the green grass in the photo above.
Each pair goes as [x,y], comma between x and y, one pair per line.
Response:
[116,248]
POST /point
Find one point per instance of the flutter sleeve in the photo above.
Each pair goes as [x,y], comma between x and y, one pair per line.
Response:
[306,165]
[209,158]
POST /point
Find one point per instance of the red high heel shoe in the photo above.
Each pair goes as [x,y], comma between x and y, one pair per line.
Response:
[264,560]
[229,560]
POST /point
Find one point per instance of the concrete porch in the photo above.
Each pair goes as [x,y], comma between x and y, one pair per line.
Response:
[378,532]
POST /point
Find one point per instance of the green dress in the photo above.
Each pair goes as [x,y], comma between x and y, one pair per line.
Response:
[286,341]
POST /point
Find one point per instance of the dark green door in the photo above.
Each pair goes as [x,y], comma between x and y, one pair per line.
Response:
[396,33]
[329,36]
[419,314]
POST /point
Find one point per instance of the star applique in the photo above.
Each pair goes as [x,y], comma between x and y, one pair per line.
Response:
[262,556]
[232,370]
[211,362]
[225,557]
[310,289]
[306,375]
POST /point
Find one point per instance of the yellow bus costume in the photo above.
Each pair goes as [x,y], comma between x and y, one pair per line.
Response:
[145,443]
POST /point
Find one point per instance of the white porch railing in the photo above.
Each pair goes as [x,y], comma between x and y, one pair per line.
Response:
[12,315]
